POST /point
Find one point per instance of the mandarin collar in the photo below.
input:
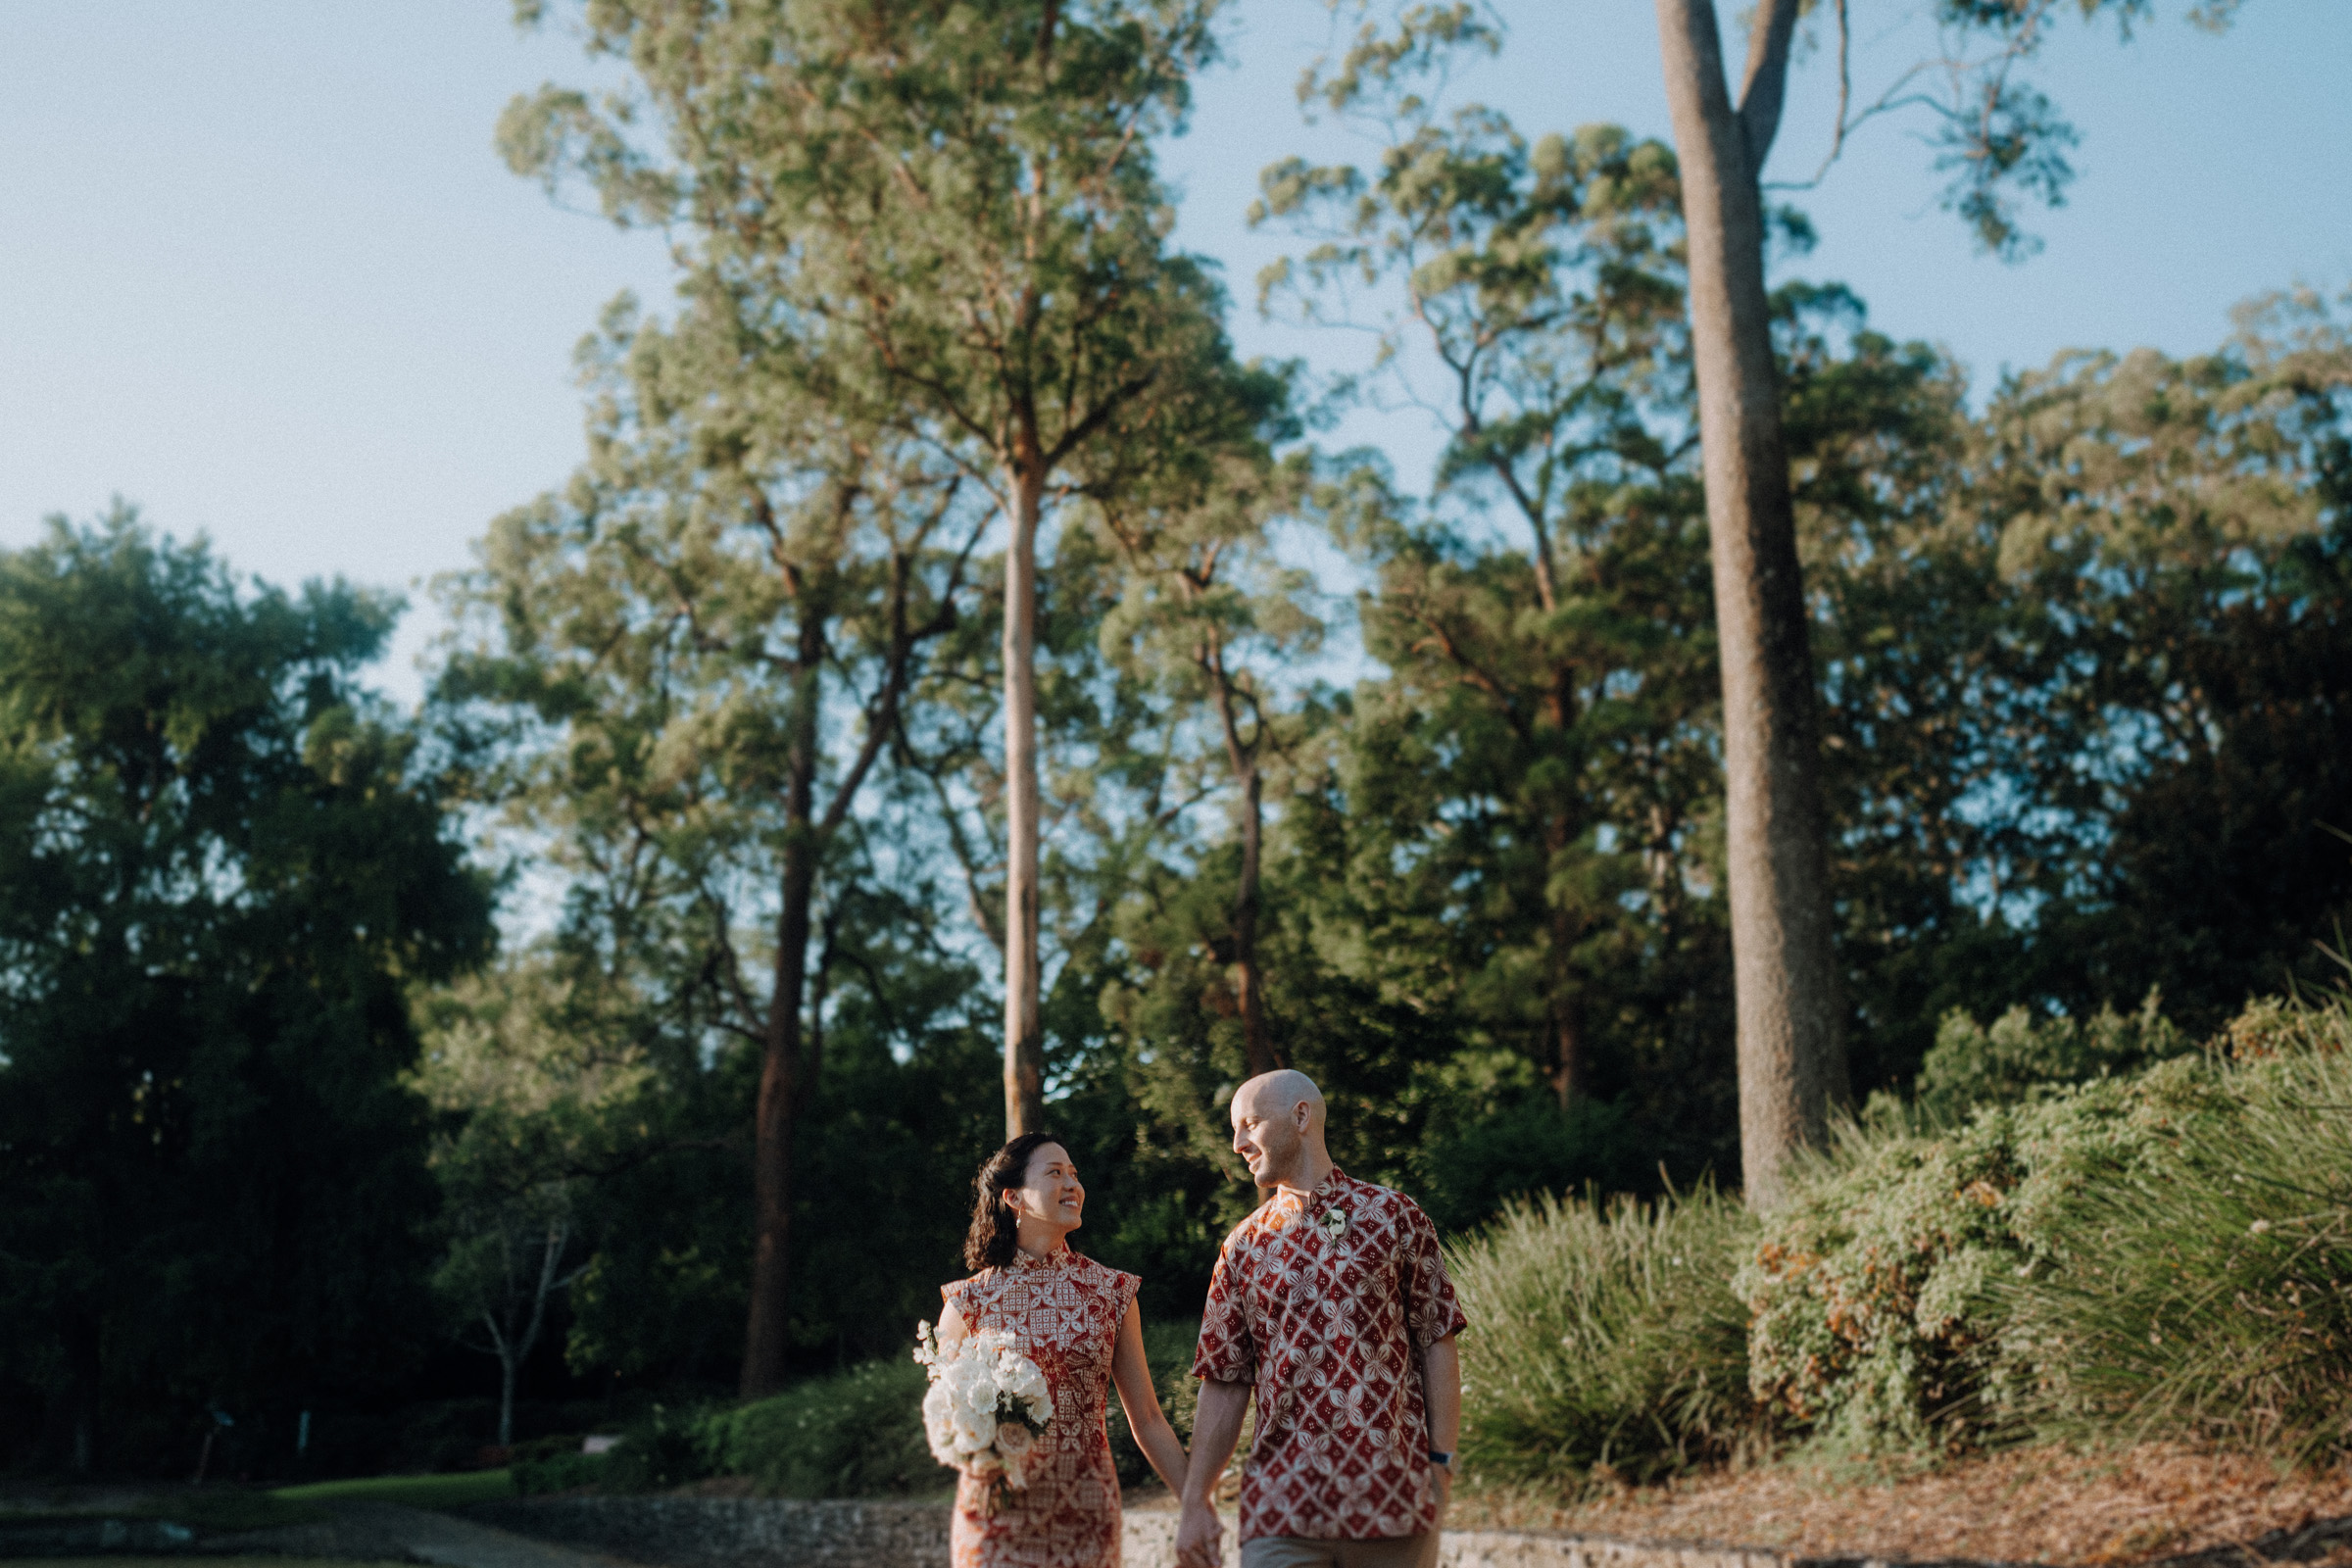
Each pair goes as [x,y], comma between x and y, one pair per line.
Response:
[1022,1262]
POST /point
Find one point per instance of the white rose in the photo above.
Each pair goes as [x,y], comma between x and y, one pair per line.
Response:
[974,1430]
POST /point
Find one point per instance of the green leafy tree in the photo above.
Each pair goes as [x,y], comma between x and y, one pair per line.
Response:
[2176,532]
[701,650]
[959,204]
[1526,771]
[526,1069]
[221,873]
[1208,616]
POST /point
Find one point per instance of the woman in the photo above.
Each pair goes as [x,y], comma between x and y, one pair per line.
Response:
[1077,1321]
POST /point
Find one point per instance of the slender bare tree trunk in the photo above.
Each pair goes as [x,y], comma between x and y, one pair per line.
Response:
[509,1369]
[780,1093]
[1564,1021]
[1791,1028]
[1249,978]
[1024,1028]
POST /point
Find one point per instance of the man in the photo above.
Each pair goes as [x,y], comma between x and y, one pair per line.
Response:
[1330,1304]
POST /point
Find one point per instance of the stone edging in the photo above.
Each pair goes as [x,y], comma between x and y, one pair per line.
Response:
[749,1533]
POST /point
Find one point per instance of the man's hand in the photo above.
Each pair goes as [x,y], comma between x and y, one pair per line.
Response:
[1200,1537]
[1441,1482]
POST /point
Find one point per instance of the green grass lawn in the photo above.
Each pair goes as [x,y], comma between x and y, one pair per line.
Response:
[415,1491]
[182,1562]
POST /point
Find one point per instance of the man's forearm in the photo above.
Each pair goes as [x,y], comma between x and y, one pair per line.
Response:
[1217,1428]
[1442,1393]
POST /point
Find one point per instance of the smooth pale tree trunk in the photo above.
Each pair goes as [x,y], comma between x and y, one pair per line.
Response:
[1024,1029]
[780,1088]
[1791,1028]
[1564,1018]
[1564,1021]
[1249,978]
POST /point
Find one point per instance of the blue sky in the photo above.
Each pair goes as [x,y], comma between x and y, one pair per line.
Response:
[261,272]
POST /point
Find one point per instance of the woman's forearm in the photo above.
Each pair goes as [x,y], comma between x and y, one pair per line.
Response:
[1161,1451]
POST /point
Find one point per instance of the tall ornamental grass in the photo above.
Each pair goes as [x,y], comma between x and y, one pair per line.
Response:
[1603,1335]
[2209,1299]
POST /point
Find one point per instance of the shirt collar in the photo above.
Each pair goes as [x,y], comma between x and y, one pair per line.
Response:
[1324,1192]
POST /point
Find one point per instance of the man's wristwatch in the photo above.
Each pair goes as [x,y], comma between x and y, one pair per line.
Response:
[1439,1456]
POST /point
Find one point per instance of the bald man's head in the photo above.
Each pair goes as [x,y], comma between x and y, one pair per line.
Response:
[1277,1129]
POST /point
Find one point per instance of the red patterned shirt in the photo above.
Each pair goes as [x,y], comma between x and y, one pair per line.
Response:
[1325,1301]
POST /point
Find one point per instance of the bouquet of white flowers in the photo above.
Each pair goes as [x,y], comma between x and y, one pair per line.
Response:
[985,1407]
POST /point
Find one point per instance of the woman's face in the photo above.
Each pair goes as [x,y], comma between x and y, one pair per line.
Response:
[1050,1192]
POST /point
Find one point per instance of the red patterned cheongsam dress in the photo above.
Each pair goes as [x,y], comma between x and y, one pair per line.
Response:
[1065,1313]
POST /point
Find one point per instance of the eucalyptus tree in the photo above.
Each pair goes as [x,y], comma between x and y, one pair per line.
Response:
[960,201]
[1537,741]
[701,647]
[1996,135]
[1209,614]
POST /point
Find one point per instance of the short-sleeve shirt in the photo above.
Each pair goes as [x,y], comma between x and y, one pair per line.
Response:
[1323,1302]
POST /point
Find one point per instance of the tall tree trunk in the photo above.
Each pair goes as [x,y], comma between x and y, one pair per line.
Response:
[1249,979]
[1792,1046]
[1563,1019]
[763,1342]
[508,1365]
[1024,1028]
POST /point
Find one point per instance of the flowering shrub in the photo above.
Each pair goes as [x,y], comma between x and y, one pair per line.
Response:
[1874,1322]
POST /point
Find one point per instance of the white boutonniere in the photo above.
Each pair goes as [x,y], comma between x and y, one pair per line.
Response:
[1335,1223]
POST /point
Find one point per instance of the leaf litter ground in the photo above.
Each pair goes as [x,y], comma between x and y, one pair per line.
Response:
[2028,1506]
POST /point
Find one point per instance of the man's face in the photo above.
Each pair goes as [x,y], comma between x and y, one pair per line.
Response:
[1266,1138]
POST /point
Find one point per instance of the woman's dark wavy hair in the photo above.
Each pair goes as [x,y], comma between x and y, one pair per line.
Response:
[995,1233]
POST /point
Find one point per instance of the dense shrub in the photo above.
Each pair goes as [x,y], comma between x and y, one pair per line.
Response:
[1604,1336]
[856,1434]
[2207,1297]
[1875,1325]
[540,1471]
[1972,1065]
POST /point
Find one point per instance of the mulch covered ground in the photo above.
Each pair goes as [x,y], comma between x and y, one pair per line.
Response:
[2032,1505]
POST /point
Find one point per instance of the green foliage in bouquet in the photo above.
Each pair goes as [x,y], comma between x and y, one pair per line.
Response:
[1605,1335]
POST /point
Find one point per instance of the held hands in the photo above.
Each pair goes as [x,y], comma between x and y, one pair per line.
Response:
[1200,1536]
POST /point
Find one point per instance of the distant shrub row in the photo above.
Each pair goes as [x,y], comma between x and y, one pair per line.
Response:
[2073,1229]
[856,1434]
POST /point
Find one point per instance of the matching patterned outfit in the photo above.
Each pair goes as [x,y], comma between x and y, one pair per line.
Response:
[1325,1301]
[1065,1313]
